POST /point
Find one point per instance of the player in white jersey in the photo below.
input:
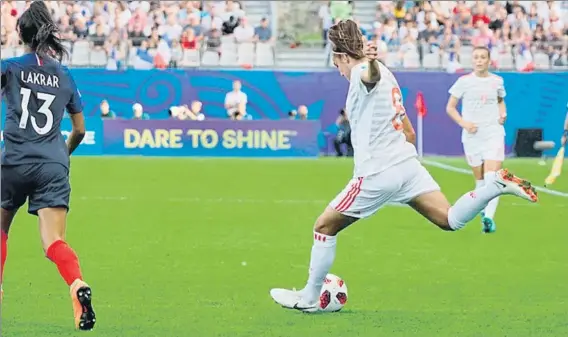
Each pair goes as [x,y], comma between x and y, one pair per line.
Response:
[386,165]
[483,115]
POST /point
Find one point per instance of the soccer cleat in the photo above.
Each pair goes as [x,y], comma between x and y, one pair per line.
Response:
[82,309]
[292,299]
[488,225]
[514,185]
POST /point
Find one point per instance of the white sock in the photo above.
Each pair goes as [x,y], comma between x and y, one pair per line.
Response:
[323,255]
[479,183]
[470,204]
[491,207]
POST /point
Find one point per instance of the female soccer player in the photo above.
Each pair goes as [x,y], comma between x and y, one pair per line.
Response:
[482,118]
[386,165]
[35,160]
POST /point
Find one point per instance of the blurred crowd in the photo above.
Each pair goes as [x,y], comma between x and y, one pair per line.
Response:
[523,32]
[144,34]
[431,34]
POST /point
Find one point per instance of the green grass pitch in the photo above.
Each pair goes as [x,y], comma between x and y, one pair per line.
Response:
[191,247]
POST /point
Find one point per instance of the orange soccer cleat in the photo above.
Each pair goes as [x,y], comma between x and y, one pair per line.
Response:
[82,309]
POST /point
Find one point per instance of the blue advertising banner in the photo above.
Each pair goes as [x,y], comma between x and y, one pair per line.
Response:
[214,138]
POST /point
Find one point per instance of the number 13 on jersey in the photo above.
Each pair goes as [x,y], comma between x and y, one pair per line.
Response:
[44,109]
[398,106]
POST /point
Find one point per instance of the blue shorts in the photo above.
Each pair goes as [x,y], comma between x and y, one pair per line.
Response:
[45,185]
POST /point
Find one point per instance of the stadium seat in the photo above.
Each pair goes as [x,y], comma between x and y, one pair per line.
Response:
[190,58]
[246,53]
[98,58]
[465,59]
[228,58]
[431,61]
[264,55]
[411,60]
[8,52]
[505,61]
[80,55]
[541,61]
[20,51]
[392,60]
[210,58]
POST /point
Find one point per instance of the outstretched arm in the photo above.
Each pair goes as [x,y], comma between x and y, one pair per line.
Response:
[372,76]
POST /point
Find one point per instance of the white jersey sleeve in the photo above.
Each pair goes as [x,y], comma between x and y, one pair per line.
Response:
[458,89]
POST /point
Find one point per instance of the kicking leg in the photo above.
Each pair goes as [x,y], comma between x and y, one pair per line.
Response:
[326,228]
[436,208]
[490,167]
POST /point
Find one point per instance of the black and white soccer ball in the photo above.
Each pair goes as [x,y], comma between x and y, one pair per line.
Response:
[333,294]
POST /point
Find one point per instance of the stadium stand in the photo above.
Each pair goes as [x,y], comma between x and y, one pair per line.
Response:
[429,35]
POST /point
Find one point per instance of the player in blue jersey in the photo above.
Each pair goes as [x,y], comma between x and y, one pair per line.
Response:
[35,159]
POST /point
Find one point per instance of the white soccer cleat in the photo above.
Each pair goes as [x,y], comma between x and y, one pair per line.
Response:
[514,185]
[292,299]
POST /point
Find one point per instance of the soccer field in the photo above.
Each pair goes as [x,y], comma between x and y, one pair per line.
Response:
[191,247]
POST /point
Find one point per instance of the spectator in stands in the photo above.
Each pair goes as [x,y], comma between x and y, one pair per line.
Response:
[244,32]
[143,59]
[188,39]
[211,19]
[303,112]
[172,30]
[138,112]
[214,40]
[236,102]
[106,112]
[183,112]
[343,135]
[194,23]
[326,20]
[263,33]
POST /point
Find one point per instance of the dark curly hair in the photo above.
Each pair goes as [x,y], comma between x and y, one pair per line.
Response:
[347,39]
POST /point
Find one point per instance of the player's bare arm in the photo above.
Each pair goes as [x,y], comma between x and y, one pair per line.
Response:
[408,130]
[77,133]
[502,110]
[373,74]
[452,110]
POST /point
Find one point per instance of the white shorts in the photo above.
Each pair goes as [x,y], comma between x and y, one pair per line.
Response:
[479,150]
[364,196]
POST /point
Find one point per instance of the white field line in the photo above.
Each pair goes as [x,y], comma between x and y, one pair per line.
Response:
[468,172]
[252,201]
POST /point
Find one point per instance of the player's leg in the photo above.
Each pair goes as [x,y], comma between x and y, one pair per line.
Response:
[474,158]
[50,202]
[493,158]
[435,207]
[14,194]
[360,199]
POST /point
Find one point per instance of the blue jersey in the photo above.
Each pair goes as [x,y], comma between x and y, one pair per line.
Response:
[36,92]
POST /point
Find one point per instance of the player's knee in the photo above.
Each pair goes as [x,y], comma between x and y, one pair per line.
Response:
[325,226]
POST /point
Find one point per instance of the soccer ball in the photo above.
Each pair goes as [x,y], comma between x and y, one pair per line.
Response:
[333,294]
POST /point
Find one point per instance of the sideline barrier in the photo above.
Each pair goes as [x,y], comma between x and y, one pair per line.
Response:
[212,138]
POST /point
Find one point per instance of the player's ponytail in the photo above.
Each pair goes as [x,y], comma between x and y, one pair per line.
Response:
[40,33]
